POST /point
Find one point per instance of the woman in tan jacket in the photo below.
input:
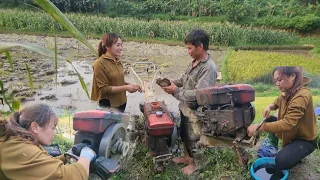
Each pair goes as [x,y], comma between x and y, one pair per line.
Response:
[108,86]
[296,123]
[22,155]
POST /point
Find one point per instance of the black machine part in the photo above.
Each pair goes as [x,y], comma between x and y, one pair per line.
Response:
[101,166]
[105,167]
[53,150]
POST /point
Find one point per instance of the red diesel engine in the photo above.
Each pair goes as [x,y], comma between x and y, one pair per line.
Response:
[160,128]
[226,111]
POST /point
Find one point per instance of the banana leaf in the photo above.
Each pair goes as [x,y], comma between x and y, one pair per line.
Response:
[6,46]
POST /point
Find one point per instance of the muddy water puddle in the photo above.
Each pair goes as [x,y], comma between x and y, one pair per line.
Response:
[68,97]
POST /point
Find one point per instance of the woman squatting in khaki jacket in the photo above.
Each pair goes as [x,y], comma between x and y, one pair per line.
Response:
[21,153]
[296,123]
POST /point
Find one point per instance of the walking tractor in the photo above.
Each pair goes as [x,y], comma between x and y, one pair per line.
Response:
[225,112]
[160,127]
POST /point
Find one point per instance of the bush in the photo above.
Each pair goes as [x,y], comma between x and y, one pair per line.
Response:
[302,24]
[64,143]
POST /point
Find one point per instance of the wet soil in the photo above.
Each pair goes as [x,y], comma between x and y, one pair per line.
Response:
[67,95]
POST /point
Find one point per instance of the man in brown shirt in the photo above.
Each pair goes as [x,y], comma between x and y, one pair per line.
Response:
[200,73]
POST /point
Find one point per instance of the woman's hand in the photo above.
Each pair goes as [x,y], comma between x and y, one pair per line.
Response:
[266,112]
[252,129]
[131,88]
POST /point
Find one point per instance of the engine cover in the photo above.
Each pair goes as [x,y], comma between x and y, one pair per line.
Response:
[159,121]
[227,94]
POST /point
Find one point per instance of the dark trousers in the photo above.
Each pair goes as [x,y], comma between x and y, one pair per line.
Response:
[106,103]
[294,152]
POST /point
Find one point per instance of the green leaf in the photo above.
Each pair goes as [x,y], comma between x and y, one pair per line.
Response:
[6,46]
[50,8]
[9,59]
[4,97]
[83,84]
[30,77]
[16,105]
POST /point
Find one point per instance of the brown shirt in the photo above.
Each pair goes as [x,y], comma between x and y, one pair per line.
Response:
[203,75]
[296,119]
[21,159]
[108,72]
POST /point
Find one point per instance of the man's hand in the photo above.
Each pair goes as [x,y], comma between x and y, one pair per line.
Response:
[170,89]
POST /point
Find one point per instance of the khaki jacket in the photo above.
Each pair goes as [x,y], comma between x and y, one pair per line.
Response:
[296,119]
[108,72]
[20,159]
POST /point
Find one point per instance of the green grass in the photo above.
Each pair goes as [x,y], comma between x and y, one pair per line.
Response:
[213,163]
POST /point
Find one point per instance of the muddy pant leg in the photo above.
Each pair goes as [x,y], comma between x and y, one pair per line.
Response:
[293,153]
[184,133]
[193,130]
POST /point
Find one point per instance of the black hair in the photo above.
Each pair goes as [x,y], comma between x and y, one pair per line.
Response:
[197,37]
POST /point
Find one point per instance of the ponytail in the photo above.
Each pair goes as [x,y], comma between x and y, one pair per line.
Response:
[102,49]
[107,40]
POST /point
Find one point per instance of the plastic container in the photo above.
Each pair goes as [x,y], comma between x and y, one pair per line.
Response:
[262,161]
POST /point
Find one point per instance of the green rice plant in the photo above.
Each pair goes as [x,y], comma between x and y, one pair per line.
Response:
[29,77]
[15,105]
[248,66]
[9,59]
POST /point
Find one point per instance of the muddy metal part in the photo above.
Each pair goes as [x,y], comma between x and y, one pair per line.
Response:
[161,161]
